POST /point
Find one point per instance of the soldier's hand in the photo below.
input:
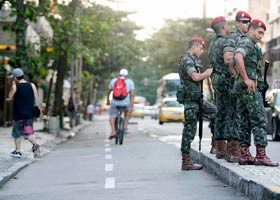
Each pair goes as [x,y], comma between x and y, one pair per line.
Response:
[208,72]
[251,86]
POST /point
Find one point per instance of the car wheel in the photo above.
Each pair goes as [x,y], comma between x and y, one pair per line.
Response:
[274,127]
[160,122]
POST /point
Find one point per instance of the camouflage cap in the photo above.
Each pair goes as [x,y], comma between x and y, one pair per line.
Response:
[217,20]
[242,15]
[200,40]
[258,23]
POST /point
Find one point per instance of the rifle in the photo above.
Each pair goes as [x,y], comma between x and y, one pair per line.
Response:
[266,65]
[200,117]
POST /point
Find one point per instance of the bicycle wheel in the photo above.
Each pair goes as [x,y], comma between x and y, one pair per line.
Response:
[121,130]
[117,125]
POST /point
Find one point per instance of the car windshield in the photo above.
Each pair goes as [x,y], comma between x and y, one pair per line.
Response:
[172,104]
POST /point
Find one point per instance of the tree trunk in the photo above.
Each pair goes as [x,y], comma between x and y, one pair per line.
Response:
[58,102]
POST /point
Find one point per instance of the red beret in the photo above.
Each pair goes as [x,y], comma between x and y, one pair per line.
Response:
[200,40]
[241,15]
[216,20]
[258,23]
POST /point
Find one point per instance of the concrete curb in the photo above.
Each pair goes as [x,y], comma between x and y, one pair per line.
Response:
[11,172]
[233,175]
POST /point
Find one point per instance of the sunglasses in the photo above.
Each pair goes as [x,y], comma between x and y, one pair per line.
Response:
[245,21]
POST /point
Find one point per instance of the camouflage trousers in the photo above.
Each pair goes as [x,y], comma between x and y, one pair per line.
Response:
[191,112]
[224,100]
[224,119]
[251,118]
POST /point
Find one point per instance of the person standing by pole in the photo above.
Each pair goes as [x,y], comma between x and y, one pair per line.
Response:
[250,102]
[191,79]
[25,96]
[242,21]
[221,84]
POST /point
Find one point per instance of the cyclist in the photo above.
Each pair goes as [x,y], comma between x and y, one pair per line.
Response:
[127,102]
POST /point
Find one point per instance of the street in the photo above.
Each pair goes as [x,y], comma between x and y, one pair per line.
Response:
[146,166]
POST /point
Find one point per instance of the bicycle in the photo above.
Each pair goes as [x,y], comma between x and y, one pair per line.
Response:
[119,124]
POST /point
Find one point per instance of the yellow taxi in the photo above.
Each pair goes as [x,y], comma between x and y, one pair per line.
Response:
[171,111]
[138,111]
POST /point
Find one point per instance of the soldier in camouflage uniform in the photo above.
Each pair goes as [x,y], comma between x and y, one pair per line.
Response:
[221,84]
[191,80]
[242,21]
[250,99]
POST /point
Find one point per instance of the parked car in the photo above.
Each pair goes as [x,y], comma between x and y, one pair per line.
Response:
[273,114]
[148,110]
[171,111]
[138,111]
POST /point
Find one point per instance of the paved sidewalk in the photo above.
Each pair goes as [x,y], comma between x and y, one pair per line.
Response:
[257,182]
[11,166]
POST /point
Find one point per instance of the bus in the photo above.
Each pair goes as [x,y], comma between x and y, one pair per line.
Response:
[167,87]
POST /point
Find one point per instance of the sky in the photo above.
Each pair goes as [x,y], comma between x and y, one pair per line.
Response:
[150,14]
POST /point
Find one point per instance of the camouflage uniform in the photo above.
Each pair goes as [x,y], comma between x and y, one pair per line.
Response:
[252,116]
[221,80]
[229,46]
[187,65]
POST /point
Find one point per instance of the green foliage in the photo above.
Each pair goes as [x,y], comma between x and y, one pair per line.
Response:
[170,42]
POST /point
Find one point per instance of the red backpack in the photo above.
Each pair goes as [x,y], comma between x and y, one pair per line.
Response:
[119,89]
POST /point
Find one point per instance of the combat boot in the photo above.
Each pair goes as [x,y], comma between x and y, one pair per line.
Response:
[233,151]
[187,164]
[262,159]
[214,146]
[245,156]
[222,149]
[229,151]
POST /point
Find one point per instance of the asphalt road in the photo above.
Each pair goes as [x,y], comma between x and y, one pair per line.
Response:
[89,167]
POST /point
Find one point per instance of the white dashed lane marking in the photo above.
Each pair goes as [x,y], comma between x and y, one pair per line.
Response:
[109,183]
[108,156]
[109,167]
[107,149]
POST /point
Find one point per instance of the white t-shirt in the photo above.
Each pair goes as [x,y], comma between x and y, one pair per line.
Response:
[129,86]
[90,108]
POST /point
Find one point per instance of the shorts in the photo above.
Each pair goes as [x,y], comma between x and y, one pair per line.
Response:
[23,128]
[73,115]
[113,112]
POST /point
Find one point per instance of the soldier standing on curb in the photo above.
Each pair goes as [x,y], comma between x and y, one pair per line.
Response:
[250,99]
[25,96]
[191,80]
[242,20]
[221,84]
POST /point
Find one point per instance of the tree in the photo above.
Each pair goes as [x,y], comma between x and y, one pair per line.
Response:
[23,11]
[170,42]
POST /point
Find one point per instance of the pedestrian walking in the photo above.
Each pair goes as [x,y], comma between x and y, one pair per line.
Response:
[191,79]
[242,21]
[72,112]
[247,61]
[24,95]
[221,84]
[90,111]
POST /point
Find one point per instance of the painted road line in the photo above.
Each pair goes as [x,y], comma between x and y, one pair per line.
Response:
[107,145]
[153,136]
[109,167]
[108,156]
[107,149]
[109,183]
